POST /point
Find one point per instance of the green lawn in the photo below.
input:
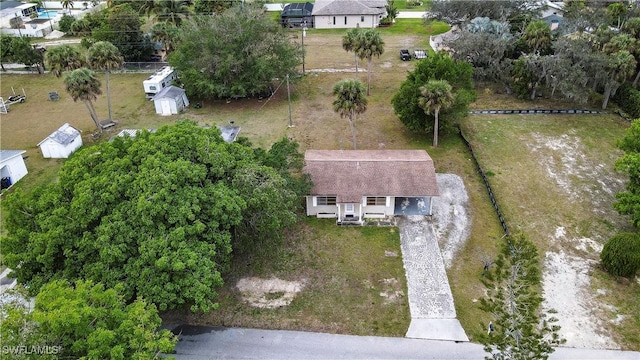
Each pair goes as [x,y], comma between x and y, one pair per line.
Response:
[347,278]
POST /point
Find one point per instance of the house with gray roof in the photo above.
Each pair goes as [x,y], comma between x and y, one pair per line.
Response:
[341,14]
[12,167]
[61,143]
[352,185]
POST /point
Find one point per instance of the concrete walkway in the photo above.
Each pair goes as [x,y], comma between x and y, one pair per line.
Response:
[433,315]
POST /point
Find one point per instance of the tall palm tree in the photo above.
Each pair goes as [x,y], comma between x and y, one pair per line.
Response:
[537,35]
[82,84]
[171,11]
[350,101]
[435,95]
[351,42]
[105,56]
[63,58]
[371,44]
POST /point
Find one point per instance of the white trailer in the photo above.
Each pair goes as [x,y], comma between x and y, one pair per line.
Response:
[158,81]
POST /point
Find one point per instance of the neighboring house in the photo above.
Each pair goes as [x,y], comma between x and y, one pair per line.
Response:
[170,101]
[297,15]
[334,14]
[61,143]
[12,167]
[351,185]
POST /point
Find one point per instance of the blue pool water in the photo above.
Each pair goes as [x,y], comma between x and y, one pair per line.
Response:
[47,14]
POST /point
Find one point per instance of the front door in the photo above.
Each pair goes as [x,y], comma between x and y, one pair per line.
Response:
[349,210]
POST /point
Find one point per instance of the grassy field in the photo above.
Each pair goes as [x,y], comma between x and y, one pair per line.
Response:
[343,267]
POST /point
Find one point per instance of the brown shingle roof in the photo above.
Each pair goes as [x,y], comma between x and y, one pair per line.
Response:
[351,174]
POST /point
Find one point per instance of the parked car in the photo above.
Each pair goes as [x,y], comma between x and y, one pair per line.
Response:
[405,55]
[419,54]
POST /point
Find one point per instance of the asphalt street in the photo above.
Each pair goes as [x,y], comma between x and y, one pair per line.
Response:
[199,343]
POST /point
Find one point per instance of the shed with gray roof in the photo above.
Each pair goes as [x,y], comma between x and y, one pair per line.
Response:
[61,143]
[170,101]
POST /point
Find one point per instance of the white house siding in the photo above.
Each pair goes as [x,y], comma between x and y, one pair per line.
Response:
[352,21]
[54,150]
[378,211]
[321,211]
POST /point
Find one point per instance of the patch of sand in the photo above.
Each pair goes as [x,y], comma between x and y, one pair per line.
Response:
[268,293]
[566,289]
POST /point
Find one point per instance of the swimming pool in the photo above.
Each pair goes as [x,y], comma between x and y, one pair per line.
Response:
[47,14]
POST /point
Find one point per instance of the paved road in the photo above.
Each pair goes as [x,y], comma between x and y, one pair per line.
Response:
[199,343]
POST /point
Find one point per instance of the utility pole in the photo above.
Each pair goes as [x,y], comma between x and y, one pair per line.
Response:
[289,100]
[304,33]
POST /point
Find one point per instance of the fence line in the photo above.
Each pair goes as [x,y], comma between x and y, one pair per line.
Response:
[486,183]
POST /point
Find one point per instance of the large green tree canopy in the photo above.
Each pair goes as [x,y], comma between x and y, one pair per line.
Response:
[83,320]
[439,66]
[159,213]
[238,53]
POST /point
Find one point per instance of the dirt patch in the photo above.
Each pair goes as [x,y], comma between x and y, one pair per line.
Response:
[391,292]
[567,164]
[268,293]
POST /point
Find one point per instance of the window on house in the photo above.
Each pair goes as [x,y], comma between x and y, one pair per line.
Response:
[152,88]
[334,20]
[376,200]
[325,200]
[362,18]
[345,20]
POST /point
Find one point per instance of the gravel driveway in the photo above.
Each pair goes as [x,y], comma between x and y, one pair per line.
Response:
[433,315]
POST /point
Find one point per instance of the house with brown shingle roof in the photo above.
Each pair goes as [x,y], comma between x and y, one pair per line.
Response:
[341,14]
[351,185]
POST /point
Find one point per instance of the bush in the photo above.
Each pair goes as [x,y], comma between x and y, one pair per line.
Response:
[628,99]
[65,23]
[621,254]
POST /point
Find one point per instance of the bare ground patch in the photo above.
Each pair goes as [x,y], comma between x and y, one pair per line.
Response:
[268,293]
[567,279]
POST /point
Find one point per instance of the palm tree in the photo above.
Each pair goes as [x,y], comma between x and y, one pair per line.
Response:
[147,7]
[82,84]
[63,58]
[435,95]
[371,44]
[351,42]
[103,55]
[166,34]
[621,66]
[537,35]
[66,4]
[171,11]
[350,101]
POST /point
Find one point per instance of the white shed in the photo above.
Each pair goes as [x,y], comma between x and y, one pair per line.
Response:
[170,100]
[12,167]
[61,143]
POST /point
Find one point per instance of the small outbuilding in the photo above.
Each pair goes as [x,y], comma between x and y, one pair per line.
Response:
[61,143]
[170,101]
[351,185]
[12,167]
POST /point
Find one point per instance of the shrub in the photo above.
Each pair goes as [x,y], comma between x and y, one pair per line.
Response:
[65,23]
[628,99]
[621,254]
